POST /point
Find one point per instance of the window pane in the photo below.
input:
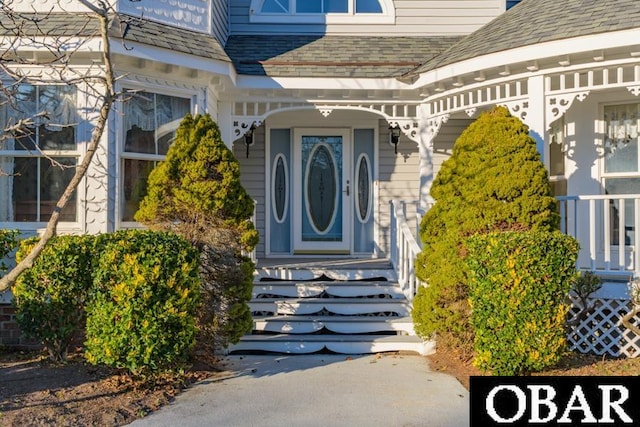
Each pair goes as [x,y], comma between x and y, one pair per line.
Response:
[621,138]
[335,6]
[25,107]
[622,186]
[170,112]
[368,6]
[275,6]
[57,137]
[135,177]
[140,123]
[54,179]
[52,110]
[308,6]
[556,148]
[36,184]
[25,189]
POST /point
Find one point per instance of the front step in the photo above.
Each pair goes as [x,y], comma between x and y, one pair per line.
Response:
[336,324]
[339,306]
[309,307]
[341,289]
[345,344]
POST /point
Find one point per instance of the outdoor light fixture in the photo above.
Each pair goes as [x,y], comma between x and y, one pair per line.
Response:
[248,137]
[394,137]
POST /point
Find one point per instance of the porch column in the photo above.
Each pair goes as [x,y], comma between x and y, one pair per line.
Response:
[536,116]
[425,147]
[225,123]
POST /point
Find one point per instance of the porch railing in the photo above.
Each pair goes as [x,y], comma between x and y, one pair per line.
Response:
[608,229]
[404,249]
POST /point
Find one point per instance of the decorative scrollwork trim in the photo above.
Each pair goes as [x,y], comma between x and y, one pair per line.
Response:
[557,105]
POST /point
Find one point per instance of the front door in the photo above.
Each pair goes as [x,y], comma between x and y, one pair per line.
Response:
[321,191]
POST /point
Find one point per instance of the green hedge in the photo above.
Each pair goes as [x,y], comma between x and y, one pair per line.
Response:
[518,284]
[8,242]
[50,296]
[147,291]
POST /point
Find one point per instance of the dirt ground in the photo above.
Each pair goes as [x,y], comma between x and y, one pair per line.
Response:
[35,392]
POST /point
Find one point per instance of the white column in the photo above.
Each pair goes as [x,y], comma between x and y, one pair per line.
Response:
[225,122]
[425,146]
[535,118]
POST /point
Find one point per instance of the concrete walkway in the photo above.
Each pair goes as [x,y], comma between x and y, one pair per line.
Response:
[320,390]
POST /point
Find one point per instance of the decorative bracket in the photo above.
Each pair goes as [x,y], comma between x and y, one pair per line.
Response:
[557,105]
[635,90]
[325,111]
[240,128]
[471,111]
[409,127]
[518,108]
[435,123]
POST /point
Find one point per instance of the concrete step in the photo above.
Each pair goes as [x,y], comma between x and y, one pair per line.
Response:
[336,324]
[292,289]
[341,306]
[345,344]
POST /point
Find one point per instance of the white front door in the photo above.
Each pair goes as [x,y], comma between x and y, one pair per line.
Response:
[321,191]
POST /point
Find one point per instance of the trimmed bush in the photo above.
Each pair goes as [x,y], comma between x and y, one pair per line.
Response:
[143,315]
[518,286]
[50,296]
[8,242]
[197,194]
[494,180]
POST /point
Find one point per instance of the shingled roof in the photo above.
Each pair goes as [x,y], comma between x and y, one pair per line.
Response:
[537,21]
[332,56]
[133,29]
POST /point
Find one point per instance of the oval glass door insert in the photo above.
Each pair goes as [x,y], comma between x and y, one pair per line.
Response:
[280,189]
[363,183]
[321,185]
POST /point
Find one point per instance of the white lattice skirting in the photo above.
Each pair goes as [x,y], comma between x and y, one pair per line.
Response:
[601,331]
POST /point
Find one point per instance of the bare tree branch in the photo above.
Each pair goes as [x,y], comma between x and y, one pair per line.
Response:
[58,61]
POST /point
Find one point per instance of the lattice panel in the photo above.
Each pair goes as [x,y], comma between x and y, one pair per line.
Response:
[601,331]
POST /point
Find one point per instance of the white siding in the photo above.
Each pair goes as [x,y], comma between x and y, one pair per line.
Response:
[398,178]
[443,143]
[252,178]
[413,18]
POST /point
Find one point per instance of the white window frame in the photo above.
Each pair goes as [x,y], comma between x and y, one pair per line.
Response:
[388,15]
[603,174]
[123,155]
[43,155]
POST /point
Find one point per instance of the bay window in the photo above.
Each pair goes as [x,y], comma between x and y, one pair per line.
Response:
[38,158]
[149,121]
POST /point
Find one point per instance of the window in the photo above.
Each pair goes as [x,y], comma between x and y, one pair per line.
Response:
[150,121]
[38,160]
[322,11]
[511,3]
[621,165]
[557,177]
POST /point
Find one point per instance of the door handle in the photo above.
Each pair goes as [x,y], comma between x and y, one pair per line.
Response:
[347,190]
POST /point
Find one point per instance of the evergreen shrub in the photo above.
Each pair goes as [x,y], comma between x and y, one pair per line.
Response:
[519,281]
[8,242]
[50,296]
[493,180]
[142,317]
[196,192]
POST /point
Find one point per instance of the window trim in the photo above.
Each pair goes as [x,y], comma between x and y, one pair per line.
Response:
[123,155]
[388,15]
[41,154]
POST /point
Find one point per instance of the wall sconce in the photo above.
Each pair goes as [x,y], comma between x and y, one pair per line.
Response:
[248,138]
[394,137]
